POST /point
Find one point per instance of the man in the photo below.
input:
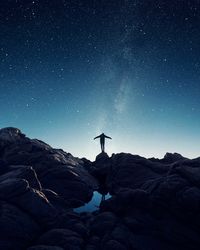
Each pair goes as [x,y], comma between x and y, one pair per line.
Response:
[102,140]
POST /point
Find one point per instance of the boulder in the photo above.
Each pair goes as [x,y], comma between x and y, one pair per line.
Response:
[57,201]
[189,200]
[129,171]
[32,201]
[93,243]
[192,174]
[22,172]
[17,227]
[103,223]
[101,158]
[125,200]
[63,238]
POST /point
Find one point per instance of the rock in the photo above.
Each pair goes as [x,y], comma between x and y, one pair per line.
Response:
[171,158]
[114,245]
[11,134]
[87,164]
[189,199]
[43,247]
[101,166]
[144,242]
[64,238]
[129,171]
[103,223]
[122,235]
[34,202]
[125,200]
[192,174]
[17,227]
[165,188]
[166,228]
[3,167]
[57,201]
[22,172]
[178,233]
[76,185]
[102,157]
[94,243]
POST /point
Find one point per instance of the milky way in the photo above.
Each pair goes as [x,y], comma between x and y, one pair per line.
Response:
[70,70]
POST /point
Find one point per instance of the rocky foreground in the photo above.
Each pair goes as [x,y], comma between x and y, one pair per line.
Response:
[155,204]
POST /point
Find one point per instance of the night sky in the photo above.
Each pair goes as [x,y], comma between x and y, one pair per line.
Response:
[70,70]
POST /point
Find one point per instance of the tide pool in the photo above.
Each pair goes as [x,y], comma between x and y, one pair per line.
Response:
[93,204]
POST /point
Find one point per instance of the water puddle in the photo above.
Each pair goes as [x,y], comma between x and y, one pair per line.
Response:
[93,204]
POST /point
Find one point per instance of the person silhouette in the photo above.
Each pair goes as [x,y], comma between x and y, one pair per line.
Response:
[102,140]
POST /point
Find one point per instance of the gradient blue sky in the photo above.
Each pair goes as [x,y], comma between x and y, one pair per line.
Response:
[70,70]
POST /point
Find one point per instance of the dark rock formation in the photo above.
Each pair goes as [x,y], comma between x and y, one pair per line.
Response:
[155,203]
[39,186]
[56,170]
[65,238]
[43,247]
[100,170]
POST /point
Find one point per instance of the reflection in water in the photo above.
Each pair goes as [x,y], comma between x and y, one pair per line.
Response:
[93,204]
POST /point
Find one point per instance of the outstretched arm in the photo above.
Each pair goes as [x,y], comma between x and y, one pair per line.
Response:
[96,137]
[108,137]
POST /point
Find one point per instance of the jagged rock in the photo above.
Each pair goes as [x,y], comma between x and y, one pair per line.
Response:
[22,172]
[72,183]
[57,201]
[102,157]
[11,134]
[32,201]
[87,164]
[129,171]
[171,158]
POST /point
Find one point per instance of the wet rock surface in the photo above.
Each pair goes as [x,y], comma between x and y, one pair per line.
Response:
[155,203]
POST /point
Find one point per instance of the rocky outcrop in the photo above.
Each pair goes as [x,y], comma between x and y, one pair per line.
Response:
[50,165]
[39,186]
[155,203]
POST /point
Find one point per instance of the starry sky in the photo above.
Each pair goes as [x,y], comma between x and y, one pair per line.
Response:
[72,69]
